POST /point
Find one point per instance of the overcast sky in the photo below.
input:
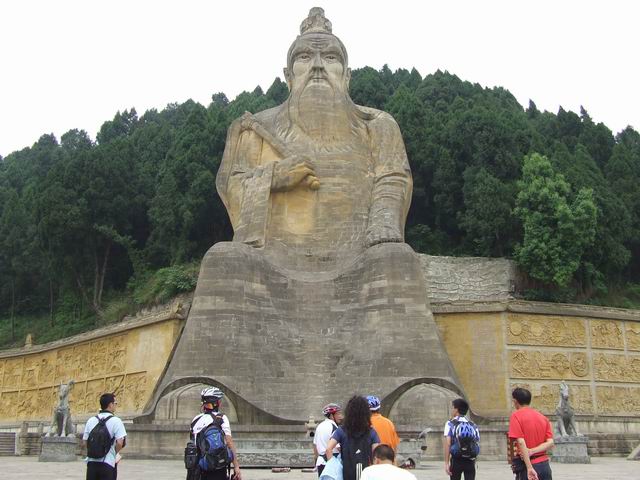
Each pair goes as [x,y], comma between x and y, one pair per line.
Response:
[73,64]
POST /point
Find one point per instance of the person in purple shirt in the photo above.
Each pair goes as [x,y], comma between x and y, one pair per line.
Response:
[356,438]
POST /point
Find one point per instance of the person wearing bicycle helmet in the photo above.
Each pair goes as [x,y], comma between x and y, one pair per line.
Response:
[457,463]
[356,437]
[385,427]
[322,435]
[211,398]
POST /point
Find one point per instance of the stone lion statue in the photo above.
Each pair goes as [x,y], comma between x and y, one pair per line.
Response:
[61,422]
[566,424]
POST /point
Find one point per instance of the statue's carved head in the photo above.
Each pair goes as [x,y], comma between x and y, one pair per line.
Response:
[317,58]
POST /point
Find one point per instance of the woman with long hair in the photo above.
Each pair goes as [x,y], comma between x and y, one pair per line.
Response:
[356,438]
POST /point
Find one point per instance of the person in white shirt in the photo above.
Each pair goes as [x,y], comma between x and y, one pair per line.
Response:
[383,467]
[105,468]
[322,435]
[455,466]
[211,401]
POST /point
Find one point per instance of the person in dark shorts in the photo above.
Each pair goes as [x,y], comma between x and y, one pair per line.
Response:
[531,433]
[455,465]
[211,402]
[105,468]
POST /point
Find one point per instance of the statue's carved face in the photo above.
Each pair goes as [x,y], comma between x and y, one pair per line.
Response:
[317,61]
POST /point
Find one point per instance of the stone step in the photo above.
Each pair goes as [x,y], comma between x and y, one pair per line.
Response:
[295,453]
[266,444]
[7,443]
[279,458]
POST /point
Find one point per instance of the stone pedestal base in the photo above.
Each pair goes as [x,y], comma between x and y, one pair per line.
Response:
[571,450]
[59,449]
[287,328]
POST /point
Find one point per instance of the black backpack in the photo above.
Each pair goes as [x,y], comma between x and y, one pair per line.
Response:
[100,440]
[356,455]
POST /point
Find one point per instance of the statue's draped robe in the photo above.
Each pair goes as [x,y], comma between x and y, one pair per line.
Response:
[297,311]
[365,186]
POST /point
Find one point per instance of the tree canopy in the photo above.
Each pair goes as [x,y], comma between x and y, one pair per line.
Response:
[81,219]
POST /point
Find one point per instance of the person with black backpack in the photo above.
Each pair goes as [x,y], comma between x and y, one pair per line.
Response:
[356,438]
[211,451]
[461,443]
[104,436]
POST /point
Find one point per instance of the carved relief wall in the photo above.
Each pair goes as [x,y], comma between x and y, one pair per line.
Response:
[616,368]
[607,334]
[528,344]
[633,336]
[614,400]
[128,362]
[599,359]
[545,397]
[595,356]
[544,364]
[545,330]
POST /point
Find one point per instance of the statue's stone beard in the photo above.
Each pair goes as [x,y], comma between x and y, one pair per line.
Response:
[324,114]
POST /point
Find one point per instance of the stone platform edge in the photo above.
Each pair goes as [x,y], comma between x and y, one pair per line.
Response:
[531,307]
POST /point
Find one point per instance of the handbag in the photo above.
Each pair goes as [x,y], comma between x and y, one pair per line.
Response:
[333,469]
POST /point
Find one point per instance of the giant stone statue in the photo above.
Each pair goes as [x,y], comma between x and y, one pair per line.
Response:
[317,296]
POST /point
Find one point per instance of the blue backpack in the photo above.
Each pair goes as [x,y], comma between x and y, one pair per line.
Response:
[466,440]
[212,446]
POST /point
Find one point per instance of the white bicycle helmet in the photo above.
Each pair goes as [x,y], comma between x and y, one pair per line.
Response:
[211,395]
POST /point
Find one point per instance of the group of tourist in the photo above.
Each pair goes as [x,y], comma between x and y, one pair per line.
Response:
[368,442]
[530,437]
[365,442]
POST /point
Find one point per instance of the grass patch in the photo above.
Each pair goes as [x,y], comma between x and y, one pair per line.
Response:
[627,296]
[42,329]
[162,285]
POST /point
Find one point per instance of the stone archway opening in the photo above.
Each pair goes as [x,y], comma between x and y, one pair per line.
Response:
[179,406]
[425,405]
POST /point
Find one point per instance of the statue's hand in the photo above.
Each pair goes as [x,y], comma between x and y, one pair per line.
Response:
[292,171]
[383,234]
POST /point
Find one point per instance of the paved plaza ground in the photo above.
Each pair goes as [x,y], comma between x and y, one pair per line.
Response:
[19,468]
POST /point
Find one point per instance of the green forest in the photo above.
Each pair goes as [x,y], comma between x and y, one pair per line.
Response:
[92,230]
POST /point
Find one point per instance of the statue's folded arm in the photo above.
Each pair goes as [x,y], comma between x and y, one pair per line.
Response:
[392,185]
[245,185]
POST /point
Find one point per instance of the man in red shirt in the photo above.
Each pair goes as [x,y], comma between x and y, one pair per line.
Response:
[531,431]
